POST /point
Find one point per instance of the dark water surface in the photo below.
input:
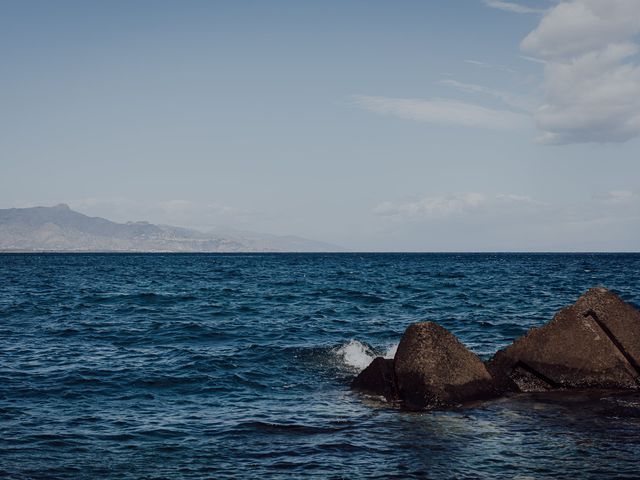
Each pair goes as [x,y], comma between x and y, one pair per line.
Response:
[215,366]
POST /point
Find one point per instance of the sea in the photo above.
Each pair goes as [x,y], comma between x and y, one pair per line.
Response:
[171,366]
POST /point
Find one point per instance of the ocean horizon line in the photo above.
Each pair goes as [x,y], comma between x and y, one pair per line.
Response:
[350,252]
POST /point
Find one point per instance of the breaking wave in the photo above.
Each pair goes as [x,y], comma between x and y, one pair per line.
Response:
[357,355]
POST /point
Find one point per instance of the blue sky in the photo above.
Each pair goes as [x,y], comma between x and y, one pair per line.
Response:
[439,125]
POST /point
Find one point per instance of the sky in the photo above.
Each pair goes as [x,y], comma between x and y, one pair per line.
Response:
[441,125]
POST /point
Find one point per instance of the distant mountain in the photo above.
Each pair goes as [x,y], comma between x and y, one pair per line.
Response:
[61,229]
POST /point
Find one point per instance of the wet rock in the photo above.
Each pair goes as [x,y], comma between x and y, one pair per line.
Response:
[594,343]
[433,369]
[377,379]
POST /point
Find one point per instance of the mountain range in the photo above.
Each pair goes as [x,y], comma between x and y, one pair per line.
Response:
[60,228]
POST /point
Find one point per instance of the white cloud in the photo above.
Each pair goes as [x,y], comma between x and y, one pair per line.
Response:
[444,112]
[511,7]
[478,63]
[457,204]
[592,80]
[474,221]
[532,59]
[591,87]
[580,26]
[621,197]
[516,101]
[441,206]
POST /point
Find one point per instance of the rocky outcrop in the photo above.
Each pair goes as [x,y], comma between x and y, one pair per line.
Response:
[594,343]
[433,369]
[377,379]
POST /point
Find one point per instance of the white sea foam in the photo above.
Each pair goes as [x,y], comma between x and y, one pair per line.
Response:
[355,355]
[391,350]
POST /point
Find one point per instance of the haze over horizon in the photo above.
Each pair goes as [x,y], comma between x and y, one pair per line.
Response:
[405,126]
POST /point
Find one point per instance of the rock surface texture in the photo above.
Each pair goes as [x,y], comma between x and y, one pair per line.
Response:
[377,379]
[593,344]
[431,369]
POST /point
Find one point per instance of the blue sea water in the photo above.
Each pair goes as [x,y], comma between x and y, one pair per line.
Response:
[224,366]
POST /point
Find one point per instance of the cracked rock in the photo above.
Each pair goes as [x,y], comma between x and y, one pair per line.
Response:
[594,343]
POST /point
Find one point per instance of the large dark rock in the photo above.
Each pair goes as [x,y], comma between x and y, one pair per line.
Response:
[594,343]
[377,379]
[433,369]
[619,320]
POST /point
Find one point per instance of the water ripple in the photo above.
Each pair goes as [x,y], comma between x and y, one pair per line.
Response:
[221,366]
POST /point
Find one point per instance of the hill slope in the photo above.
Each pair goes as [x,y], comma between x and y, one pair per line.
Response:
[61,229]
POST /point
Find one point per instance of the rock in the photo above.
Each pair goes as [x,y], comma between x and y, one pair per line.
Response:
[594,343]
[377,379]
[619,320]
[433,369]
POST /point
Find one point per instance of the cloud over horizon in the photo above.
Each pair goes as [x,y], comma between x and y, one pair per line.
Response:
[475,221]
[455,204]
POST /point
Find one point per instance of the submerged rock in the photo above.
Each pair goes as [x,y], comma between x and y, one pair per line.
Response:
[377,379]
[433,369]
[594,343]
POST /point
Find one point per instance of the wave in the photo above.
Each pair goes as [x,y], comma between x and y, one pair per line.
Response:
[391,350]
[356,355]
